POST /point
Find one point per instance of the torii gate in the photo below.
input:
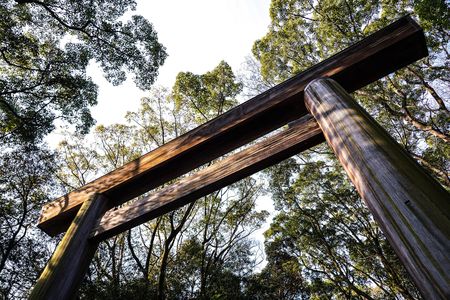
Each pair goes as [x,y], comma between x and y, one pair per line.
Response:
[409,205]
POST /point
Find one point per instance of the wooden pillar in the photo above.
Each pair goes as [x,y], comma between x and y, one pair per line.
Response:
[70,261]
[409,205]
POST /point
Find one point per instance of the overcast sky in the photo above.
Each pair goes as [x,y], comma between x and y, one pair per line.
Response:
[198,34]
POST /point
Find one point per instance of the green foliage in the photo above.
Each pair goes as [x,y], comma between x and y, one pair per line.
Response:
[433,13]
[322,243]
[159,119]
[326,234]
[25,183]
[135,289]
[412,104]
[207,95]
[202,250]
[45,47]
[323,237]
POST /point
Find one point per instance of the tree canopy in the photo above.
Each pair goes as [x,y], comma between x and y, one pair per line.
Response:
[45,47]
[323,236]
[322,242]
[200,251]
[209,94]
[414,98]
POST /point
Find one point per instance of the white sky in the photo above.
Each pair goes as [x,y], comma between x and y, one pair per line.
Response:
[197,34]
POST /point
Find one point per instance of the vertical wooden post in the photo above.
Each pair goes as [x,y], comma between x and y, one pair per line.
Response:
[409,205]
[70,261]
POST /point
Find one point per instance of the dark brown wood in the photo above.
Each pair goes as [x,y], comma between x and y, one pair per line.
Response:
[70,261]
[381,53]
[410,206]
[300,135]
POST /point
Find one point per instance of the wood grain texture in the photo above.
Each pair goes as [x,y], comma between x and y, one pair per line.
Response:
[411,207]
[70,261]
[379,54]
[300,135]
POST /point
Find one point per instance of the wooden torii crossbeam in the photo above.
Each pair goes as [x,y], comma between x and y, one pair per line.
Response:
[410,218]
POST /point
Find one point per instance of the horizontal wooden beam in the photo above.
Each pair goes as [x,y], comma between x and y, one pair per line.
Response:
[381,53]
[300,136]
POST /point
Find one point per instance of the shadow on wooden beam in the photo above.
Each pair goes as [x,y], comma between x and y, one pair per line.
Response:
[381,53]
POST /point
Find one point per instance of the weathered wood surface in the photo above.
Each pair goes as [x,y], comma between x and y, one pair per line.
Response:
[379,54]
[70,261]
[410,206]
[300,135]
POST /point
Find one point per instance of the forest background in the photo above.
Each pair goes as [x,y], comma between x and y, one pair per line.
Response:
[322,242]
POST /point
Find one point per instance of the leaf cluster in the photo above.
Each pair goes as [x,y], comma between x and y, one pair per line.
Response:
[45,48]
